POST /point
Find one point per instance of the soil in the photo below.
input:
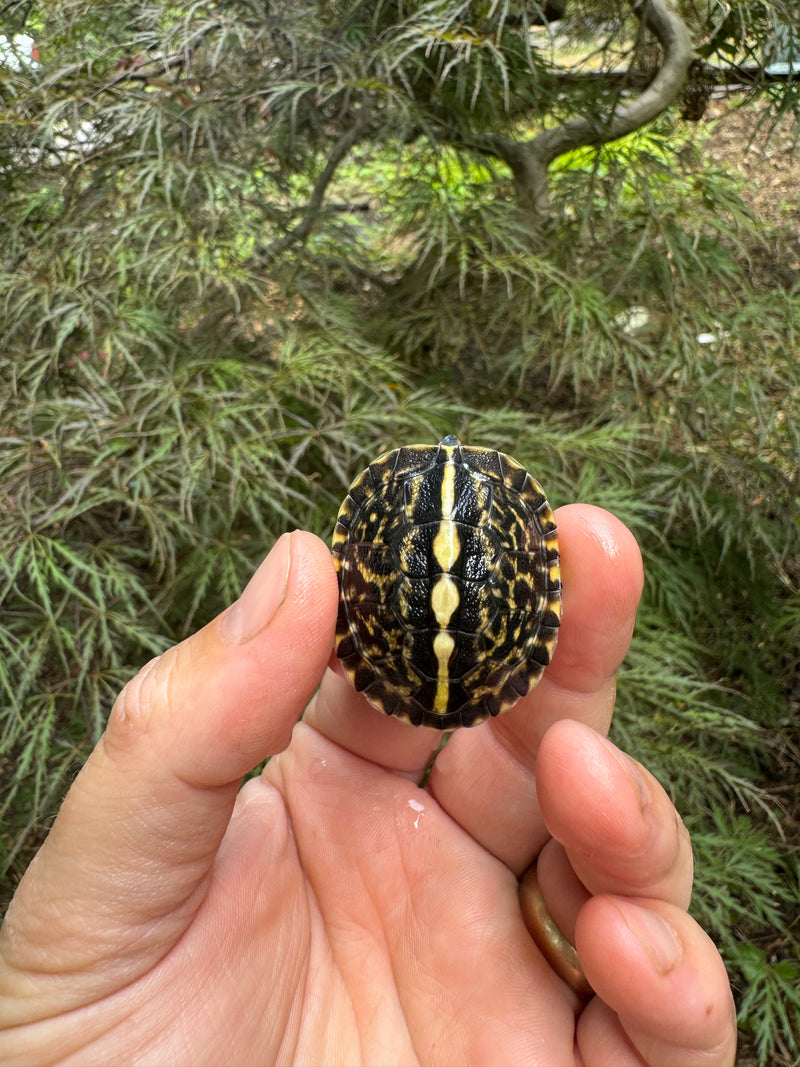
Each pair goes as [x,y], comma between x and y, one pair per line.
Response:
[748,140]
[765,152]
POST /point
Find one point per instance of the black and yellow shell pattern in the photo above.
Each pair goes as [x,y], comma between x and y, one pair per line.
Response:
[449,583]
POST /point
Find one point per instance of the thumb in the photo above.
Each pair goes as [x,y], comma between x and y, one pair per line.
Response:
[219,702]
[127,862]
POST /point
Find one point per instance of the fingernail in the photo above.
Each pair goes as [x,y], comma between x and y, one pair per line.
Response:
[262,596]
[655,933]
[636,775]
[633,770]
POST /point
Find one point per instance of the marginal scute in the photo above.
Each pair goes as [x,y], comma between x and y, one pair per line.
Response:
[449,583]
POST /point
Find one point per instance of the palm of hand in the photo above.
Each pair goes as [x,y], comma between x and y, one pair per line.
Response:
[387,934]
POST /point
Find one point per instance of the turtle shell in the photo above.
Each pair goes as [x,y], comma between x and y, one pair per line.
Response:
[449,583]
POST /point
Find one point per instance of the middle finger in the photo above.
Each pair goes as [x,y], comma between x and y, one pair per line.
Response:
[484,778]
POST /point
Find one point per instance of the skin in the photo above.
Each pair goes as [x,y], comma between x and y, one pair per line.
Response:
[331,911]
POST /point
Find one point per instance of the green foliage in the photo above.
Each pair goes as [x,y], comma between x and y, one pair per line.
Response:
[743,882]
[244,248]
[769,1007]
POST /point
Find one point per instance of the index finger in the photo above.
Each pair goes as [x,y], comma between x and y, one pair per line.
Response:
[484,778]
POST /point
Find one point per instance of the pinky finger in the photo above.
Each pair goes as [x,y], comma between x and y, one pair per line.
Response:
[663,980]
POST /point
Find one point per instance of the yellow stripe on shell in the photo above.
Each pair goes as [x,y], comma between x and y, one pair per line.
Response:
[444,600]
[443,645]
[444,595]
[446,544]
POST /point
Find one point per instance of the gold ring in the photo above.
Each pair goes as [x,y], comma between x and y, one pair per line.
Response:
[552,944]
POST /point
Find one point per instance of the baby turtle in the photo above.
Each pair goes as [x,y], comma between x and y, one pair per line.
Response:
[449,583]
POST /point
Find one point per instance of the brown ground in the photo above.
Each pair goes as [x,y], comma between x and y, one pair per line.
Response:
[767,155]
[748,141]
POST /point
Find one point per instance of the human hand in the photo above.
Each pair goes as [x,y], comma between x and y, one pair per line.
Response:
[331,911]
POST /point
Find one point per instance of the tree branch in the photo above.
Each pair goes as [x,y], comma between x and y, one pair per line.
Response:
[338,153]
[530,160]
[674,38]
[297,233]
[145,70]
